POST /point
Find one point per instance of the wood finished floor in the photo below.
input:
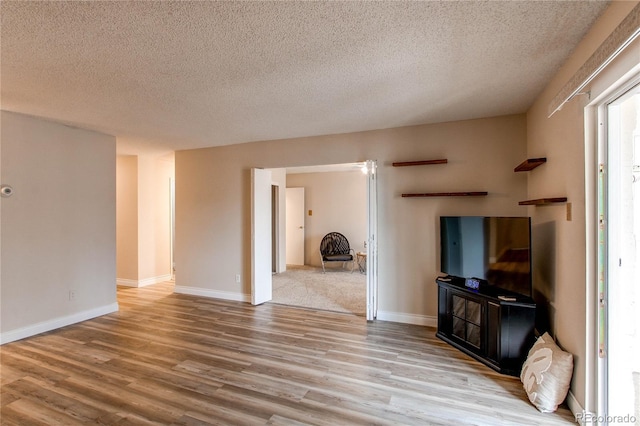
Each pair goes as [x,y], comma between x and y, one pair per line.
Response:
[174,359]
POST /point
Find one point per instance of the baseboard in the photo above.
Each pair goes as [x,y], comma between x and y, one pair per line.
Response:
[41,327]
[215,294]
[154,280]
[142,283]
[426,320]
[576,408]
[126,283]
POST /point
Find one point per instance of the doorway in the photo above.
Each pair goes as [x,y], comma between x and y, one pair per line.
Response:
[369,237]
[619,256]
[336,198]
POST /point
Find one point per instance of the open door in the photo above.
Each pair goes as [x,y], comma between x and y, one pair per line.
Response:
[260,236]
[372,241]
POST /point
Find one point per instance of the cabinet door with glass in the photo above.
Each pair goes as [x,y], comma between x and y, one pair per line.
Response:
[467,320]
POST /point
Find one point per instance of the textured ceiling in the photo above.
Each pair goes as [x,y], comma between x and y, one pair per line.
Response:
[177,75]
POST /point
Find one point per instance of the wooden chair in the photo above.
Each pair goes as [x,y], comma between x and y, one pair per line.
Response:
[334,247]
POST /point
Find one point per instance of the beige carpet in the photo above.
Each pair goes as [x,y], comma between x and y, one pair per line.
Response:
[338,290]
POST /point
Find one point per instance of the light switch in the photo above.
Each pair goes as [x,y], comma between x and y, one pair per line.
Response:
[310,212]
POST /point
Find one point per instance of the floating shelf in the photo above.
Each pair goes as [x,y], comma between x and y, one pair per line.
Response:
[543,201]
[530,164]
[419,163]
[448,194]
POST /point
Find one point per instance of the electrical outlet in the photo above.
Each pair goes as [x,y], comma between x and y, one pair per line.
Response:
[72,295]
[237,278]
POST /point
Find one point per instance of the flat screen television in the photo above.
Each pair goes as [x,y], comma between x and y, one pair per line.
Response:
[495,250]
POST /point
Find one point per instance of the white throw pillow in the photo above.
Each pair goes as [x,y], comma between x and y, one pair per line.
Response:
[546,374]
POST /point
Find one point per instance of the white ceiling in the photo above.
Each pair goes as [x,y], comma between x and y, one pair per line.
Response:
[172,75]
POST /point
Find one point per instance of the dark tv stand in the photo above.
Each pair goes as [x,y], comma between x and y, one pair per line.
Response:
[492,325]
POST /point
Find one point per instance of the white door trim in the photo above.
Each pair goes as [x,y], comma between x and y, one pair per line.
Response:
[372,240]
[261,284]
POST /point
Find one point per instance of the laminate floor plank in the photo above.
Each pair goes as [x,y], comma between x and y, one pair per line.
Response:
[335,385]
[77,349]
[174,377]
[227,343]
[123,399]
[8,374]
[30,367]
[383,413]
[298,411]
[267,384]
[198,404]
[72,364]
[38,393]
[174,359]
[27,412]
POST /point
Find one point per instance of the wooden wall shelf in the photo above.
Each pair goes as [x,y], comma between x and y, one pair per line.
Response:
[530,164]
[447,194]
[419,163]
[543,201]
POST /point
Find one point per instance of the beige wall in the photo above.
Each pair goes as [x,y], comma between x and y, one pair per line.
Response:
[127,217]
[560,252]
[144,219]
[154,217]
[58,229]
[213,200]
[339,203]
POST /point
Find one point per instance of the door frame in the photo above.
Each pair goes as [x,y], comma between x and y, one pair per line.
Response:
[372,239]
[275,227]
[596,234]
[372,300]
